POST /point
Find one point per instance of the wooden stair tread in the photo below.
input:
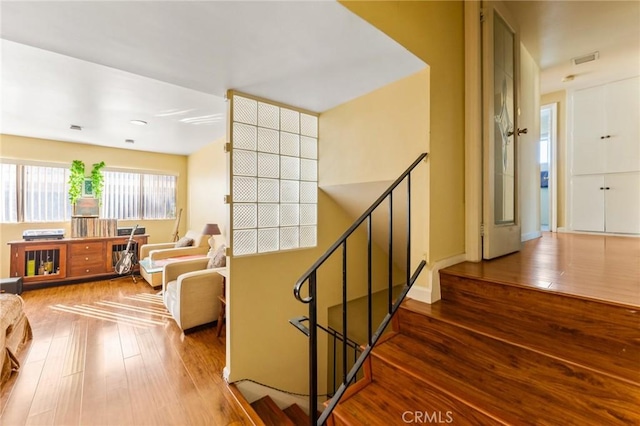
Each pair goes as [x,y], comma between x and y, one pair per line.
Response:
[393,393]
[244,404]
[502,379]
[297,415]
[612,356]
[270,413]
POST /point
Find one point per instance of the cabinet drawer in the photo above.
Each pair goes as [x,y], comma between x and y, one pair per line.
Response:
[86,259]
[80,270]
[86,248]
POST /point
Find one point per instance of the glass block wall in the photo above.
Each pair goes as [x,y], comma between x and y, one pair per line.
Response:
[274,167]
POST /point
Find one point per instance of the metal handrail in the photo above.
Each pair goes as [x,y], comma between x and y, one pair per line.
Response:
[298,286]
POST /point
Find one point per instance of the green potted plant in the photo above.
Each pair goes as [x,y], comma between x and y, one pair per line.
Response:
[97,180]
[76,180]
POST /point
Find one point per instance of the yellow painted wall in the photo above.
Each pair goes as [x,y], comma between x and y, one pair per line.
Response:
[376,137]
[207,177]
[62,153]
[434,31]
[560,97]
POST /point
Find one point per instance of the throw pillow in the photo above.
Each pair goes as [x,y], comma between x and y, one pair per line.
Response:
[218,259]
[184,242]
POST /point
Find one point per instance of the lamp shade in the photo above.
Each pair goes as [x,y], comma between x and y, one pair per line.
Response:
[211,229]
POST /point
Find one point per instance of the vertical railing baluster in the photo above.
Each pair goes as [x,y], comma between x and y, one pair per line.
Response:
[408,228]
[390,255]
[369,295]
[335,361]
[313,350]
[344,311]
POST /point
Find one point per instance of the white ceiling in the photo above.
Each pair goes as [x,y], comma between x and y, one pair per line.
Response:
[102,64]
[554,32]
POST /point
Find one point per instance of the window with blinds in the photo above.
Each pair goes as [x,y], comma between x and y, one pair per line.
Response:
[9,193]
[129,195]
[46,194]
[32,193]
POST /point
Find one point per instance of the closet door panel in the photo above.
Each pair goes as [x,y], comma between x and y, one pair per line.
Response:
[622,203]
[588,126]
[587,203]
[622,137]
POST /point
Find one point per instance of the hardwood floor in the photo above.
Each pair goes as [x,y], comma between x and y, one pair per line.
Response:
[593,266]
[107,353]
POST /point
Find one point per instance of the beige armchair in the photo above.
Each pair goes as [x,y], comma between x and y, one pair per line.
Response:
[166,250]
[190,292]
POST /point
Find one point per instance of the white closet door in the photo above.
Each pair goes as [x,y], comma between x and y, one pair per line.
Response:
[622,136]
[622,203]
[587,203]
[588,126]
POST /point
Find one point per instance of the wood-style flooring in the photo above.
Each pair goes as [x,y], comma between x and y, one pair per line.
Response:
[107,353]
[593,266]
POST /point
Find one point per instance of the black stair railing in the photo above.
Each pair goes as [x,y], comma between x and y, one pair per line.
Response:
[310,278]
[335,337]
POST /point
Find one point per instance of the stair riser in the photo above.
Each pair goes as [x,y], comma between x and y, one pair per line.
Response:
[608,356]
[614,324]
[270,413]
[518,375]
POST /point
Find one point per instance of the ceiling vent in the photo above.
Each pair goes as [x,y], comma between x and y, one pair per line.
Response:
[129,140]
[75,127]
[585,58]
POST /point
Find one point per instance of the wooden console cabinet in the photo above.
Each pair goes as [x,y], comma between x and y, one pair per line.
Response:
[44,262]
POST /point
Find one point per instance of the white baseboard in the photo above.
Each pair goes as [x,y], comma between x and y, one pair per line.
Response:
[254,391]
[431,293]
[530,236]
[423,294]
[226,373]
[603,234]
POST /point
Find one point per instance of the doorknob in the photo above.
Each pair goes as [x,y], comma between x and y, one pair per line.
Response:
[521,131]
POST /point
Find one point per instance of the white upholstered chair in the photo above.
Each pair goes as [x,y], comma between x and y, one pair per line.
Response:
[161,251]
[190,292]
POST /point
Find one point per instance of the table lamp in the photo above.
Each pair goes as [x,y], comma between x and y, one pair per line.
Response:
[211,229]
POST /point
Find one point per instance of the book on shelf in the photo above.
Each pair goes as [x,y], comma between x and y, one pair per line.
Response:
[93,227]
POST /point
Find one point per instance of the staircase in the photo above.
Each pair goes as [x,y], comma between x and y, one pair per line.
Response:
[490,353]
[272,415]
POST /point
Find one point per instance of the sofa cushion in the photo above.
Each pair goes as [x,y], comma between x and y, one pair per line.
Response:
[218,259]
[184,242]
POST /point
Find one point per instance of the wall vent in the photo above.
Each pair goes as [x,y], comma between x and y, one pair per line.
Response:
[585,58]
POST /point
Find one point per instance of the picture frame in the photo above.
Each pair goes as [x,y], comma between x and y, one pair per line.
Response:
[86,207]
[87,188]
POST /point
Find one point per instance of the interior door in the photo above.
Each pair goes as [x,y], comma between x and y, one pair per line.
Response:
[500,53]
